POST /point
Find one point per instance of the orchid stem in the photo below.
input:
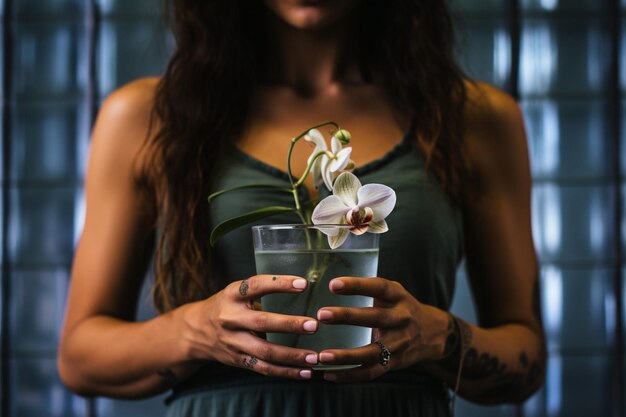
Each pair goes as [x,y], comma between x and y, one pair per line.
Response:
[315,272]
[294,184]
[308,168]
[296,199]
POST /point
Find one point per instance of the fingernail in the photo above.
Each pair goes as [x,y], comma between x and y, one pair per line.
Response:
[310,326]
[300,284]
[330,377]
[326,357]
[311,358]
[336,285]
[324,315]
[305,374]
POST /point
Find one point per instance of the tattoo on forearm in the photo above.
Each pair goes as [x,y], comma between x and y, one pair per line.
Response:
[478,366]
[167,374]
[243,288]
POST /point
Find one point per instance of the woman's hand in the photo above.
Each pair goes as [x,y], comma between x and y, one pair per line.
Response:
[223,327]
[409,330]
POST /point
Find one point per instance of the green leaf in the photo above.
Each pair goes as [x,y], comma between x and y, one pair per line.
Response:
[247,187]
[252,216]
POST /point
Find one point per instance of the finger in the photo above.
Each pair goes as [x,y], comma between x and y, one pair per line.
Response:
[263,321]
[272,353]
[366,316]
[366,372]
[264,368]
[361,374]
[379,288]
[259,285]
[365,355]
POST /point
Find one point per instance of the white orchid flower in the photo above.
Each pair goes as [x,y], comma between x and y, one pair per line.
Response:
[328,166]
[364,208]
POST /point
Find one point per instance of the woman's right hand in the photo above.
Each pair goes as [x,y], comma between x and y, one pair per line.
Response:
[225,328]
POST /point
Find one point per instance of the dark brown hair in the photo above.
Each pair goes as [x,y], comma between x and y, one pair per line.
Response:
[202,103]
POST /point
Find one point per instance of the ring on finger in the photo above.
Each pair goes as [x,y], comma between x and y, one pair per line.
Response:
[385,354]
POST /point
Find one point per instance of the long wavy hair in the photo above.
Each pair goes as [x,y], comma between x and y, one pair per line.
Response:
[202,103]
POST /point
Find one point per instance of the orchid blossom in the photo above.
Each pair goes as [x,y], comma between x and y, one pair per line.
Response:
[362,207]
[326,164]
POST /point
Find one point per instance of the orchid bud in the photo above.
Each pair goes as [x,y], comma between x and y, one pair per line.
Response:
[343,135]
[350,166]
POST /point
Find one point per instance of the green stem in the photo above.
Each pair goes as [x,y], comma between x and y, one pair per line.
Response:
[318,269]
[303,218]
[313,275]
[308,168]
[296,199]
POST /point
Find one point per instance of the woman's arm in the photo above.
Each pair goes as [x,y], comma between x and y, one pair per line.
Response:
[103,351]
[111,260]
[504,358]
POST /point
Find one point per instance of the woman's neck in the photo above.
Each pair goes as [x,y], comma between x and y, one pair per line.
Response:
[313,62]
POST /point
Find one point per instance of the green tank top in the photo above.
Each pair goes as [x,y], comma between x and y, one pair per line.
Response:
[422,248]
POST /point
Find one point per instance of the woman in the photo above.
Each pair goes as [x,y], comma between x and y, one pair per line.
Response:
[242,81]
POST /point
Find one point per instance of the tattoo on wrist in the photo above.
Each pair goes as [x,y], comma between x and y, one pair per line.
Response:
[465,332]
[243,288]
[452,338]
[457,342]
[167,374]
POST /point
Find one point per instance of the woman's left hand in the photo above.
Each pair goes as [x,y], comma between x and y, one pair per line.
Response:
[411,331]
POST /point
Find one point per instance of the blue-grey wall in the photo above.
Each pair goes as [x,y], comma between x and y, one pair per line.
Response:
[61,57]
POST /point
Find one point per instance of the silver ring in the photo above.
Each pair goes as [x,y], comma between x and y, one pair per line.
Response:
[385,354]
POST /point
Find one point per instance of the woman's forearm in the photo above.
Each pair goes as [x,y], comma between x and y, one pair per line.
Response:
[499,364]
[103,355]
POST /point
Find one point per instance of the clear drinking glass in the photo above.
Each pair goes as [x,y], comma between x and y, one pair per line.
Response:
[303,250]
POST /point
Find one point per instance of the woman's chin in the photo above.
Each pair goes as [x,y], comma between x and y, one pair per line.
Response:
[311,18]
[311,14]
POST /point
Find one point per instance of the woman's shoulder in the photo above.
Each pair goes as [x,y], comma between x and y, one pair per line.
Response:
[131,102]
[124,124]
[489,107]
[495,135]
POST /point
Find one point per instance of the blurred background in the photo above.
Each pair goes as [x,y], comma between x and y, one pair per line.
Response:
[563,59]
